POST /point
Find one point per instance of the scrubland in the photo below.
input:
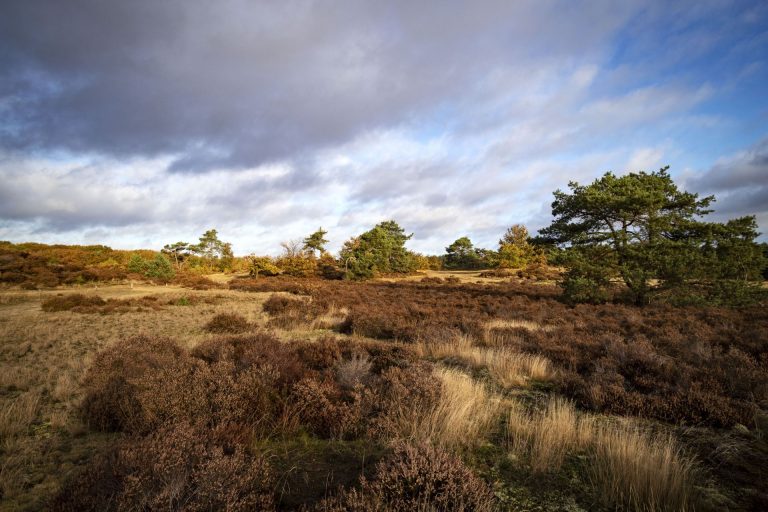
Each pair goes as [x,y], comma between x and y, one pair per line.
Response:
[434,394]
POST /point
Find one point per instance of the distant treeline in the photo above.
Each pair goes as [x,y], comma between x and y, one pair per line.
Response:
[637,238]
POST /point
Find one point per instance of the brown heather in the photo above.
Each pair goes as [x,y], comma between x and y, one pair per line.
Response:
[425,395]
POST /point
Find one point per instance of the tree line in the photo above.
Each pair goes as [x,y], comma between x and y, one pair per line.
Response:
[636,237]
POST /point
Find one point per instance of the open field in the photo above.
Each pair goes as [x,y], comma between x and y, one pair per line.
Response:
[281,393]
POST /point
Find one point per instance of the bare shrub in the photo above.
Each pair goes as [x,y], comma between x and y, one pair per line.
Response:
[229,323]
[354,371]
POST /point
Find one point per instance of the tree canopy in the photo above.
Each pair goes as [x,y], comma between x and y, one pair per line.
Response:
[380,250]
[316,241]
[640,227]
[461,254]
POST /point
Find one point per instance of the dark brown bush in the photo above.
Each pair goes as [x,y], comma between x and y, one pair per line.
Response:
[321,354]
[416,478]
[130,387]
[175,468]
[227,323]
[296,286]
[260,349]
[326,410]
[237,386]
[94,304]
[399,393]
[72,302]
[292,312]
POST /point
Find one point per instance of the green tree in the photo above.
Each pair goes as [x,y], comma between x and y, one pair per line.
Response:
[136,264]
[640,227]
[516,251]
[213,251]
[315,243]
[159,268]
[210,247]
[179,251]
[380,250]
[461,254]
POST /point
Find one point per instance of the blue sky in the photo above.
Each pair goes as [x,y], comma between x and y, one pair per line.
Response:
[141,123]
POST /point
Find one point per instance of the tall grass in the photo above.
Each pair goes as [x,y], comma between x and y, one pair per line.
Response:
[462,416]
[637,471]
[506,366]
[19,414]
[548,436]
[629,468]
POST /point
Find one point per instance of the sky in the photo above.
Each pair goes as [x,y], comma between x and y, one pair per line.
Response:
[136,124]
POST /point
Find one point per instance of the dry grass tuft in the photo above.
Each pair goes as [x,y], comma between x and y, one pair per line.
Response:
[462,415]
[549,435]
[630,469]
[507,367]
[332,319]
[637,471]
[510,332]
[20,414]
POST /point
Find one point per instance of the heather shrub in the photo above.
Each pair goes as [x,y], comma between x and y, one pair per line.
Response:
[129,386]
[416,478]
[291,312]
[258,349]
[231,323]
[237,385]
[325,409]
[320,354]
[400,398]
[72,302]
[175,468]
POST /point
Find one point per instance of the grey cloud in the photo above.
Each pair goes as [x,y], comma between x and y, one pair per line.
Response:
[740,183]
[235,83]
